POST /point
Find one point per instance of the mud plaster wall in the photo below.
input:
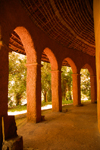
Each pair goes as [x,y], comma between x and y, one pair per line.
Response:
[13,15]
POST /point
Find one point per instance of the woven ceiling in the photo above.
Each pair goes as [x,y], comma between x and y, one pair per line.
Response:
[69,22]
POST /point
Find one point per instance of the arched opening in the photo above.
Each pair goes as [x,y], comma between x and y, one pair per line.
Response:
[70,63]
[68,84]
[53,76]
[27,44]
[88,83]
[21,42]
[46,94]
[52,58]
[85,85]
[17,81]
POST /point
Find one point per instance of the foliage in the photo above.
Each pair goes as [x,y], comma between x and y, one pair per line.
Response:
[85,84]
[17,78]
[17,81]
[66,83]
[46,81]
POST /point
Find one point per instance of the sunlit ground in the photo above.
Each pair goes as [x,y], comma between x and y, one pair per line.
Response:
[25,111]
[49,106]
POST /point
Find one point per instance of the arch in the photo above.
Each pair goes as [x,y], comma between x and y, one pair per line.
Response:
[33,85]
[76,81]
[52,58]
[72,64]
[92,82]
[27,43]
[87,66]
[55,81]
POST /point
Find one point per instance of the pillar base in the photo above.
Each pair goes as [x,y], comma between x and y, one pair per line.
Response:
[94,102]
[42,118]
[34,120]
[56,110]
[79,105]
[13,144]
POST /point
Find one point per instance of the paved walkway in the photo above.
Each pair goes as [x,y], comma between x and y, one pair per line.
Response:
[75,128]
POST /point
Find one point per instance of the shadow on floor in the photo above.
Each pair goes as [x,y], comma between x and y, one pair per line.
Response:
[75,128]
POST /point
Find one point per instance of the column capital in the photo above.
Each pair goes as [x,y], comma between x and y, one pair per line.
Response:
[33,64]
[77,74]
[56,71]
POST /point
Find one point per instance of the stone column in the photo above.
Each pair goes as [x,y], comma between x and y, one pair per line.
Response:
[56,90]
[96,13]
[4,74]
[93,89]
[33,92]
[76,89]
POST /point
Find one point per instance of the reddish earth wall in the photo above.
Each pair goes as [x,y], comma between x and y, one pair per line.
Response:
[14,17]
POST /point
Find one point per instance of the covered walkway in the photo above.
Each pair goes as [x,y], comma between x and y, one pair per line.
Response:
[75,128]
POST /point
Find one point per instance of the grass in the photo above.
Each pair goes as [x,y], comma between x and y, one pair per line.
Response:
[67,102]
[46,103]
[17,108]
[24,107]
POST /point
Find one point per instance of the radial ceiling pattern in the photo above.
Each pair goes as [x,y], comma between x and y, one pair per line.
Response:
[69,22]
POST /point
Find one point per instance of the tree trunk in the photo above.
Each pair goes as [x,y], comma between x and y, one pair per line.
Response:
[44,96]
[18,99]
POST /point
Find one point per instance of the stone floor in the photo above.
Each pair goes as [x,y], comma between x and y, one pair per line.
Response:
[75,128]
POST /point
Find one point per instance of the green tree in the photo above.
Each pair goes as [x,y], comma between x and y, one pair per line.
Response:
[46,81]
[85,84]
[17,78]
[66,83]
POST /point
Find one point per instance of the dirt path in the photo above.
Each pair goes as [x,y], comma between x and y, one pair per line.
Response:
[74,129]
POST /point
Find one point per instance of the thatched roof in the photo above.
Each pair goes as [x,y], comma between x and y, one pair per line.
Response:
[69,22]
